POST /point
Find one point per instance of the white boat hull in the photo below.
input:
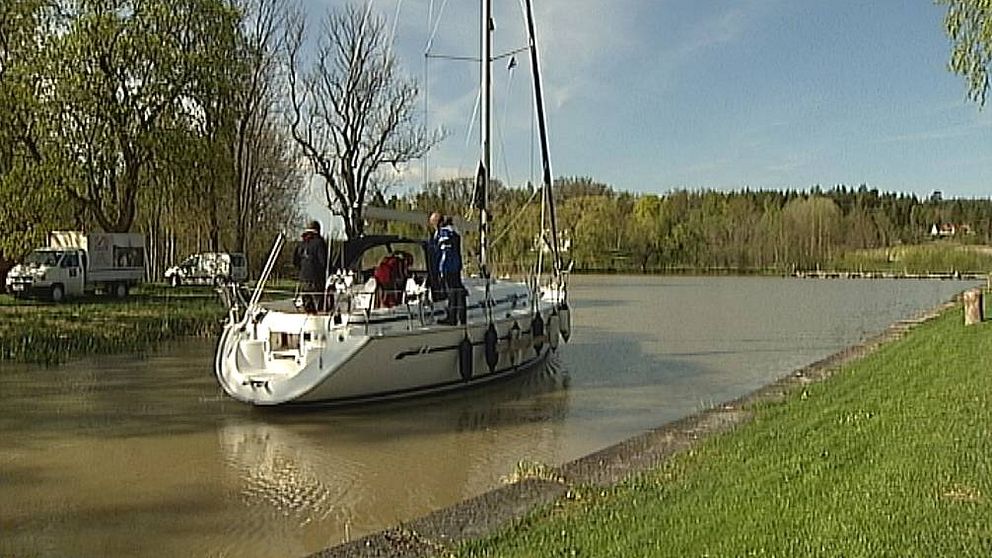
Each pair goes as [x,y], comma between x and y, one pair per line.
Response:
[280,357]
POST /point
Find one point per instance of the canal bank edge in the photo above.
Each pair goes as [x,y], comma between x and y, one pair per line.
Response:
[483,515]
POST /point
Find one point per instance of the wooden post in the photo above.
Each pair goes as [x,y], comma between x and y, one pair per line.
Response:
[973,307]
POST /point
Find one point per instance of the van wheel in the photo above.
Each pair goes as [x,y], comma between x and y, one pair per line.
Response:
[58,293]
[120,290]
[175,281]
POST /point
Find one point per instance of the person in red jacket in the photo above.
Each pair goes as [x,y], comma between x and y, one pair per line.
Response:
[390,277]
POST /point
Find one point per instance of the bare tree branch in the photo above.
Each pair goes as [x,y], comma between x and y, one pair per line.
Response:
[352,112]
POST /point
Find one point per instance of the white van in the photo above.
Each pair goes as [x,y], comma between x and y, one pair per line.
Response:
[208,268]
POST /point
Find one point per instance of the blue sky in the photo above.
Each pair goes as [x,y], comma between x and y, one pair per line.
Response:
[650,96]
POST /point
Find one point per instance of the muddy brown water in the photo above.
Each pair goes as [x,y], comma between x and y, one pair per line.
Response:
[145,456]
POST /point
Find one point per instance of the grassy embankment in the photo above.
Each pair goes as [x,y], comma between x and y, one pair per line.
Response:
[42,332]
[891,456]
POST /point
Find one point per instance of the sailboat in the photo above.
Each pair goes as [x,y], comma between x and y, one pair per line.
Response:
[274,353]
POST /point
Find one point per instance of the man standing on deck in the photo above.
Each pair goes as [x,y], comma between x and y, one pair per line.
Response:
[449,266]
[310,257]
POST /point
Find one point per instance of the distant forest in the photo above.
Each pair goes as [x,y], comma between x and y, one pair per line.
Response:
[708,230]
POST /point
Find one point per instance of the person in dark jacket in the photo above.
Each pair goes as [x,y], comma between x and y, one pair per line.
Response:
[449,266]
[310,257]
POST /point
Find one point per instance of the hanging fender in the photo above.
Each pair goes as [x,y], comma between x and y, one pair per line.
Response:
[513,337]
[537,331]
[554,322]
[465,358]
[491,338]
[565,322]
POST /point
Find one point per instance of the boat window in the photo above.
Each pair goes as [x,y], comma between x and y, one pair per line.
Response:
[374,255]
[282,341]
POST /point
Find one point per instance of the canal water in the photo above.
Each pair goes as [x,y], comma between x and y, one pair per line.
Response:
[145,456]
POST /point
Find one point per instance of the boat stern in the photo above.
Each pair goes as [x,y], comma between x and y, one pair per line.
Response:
[279,357]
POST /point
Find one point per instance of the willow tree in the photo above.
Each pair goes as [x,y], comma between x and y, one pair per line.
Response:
[354,113]
[29,205]
[969,25]
[125,77]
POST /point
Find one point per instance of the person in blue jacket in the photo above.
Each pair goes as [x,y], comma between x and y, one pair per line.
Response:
[446,244]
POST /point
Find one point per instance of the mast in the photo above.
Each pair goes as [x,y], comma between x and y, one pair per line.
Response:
[486,131]
[542,126]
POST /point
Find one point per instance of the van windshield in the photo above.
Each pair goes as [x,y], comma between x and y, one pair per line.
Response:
[44,257]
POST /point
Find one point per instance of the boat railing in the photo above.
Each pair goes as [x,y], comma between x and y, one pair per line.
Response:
[415,301]
[348,302]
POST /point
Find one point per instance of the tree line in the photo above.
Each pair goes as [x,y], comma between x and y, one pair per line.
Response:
[705,230]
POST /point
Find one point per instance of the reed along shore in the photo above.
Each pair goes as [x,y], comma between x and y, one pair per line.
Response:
[45,333]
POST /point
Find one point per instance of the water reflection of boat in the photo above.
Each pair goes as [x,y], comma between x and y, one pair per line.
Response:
[270,355]
[352,472]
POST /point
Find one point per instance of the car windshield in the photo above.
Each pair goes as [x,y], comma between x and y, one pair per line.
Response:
[44,257]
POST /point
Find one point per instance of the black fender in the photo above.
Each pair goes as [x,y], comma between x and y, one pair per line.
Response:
[537,331]
[491,338]
[565,314]
[465,358]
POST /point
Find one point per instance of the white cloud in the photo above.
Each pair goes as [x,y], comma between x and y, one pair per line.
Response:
[580,40]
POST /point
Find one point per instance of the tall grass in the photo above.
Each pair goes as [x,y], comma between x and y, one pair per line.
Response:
[892,456]
[40,332]
[938,257]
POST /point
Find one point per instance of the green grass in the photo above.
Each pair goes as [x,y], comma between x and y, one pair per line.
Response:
[891,456]
[41,332]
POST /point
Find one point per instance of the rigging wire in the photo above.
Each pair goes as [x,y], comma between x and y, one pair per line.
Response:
[501,154]
[427,96]
[523,19]
[533,149]
[471,122]
[516,217]
[433,26]
[437,23]
[396,21]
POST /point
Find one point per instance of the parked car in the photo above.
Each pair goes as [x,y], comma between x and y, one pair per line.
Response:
[208,268]
[76,263]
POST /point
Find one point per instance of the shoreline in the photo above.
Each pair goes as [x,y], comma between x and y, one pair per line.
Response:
[482,515]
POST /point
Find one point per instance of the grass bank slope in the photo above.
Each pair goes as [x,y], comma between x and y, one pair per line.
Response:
[46,333]
[891,456]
